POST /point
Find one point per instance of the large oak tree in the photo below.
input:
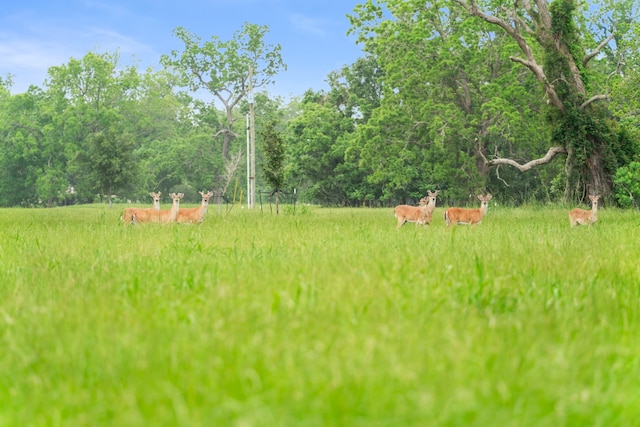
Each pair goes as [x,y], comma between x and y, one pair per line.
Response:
[469,91]
[581,128]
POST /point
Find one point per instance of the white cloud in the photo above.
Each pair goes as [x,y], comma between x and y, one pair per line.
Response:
[29,58]
[109,40]
[29,53]
[307,24]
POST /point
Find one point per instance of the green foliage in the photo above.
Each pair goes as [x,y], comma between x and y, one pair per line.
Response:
[124,132]
[316,142]
[110,159]
[20,159]
[218,66]
[627,185]
[625,97]
[51,186]
[356,90]
[274,153]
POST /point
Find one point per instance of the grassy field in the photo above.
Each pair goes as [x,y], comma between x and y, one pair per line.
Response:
[330,317]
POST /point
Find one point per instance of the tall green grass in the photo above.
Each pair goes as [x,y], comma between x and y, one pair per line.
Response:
[330,317]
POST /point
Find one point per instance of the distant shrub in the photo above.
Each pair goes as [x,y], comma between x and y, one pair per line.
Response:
[627,185]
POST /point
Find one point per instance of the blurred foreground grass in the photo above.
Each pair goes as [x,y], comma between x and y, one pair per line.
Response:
[329,317]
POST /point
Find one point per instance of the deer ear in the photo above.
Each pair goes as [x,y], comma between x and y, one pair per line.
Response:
[489,197]
[480,197]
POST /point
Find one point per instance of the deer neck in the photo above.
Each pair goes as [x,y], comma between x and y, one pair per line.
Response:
[175,208]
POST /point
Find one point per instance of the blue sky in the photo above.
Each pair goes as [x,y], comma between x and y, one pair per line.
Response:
[35,35]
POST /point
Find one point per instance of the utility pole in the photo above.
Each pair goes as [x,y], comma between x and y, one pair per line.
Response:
[248,163]
[252,133]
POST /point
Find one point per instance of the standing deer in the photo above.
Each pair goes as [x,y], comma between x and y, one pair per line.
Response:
[127,215]
[579,216]
[193,215]
[431,206]
[418,214]
[468,216]
[162,216]
[156,200]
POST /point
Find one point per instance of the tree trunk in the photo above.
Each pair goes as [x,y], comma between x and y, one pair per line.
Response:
[226,143]
[591,180]
[597,180]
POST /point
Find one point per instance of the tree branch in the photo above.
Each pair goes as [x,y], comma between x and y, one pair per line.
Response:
[542,78]
[498,176]
[472,8]
[225,131]
[593,99]
[517,20]
[553,151]
[597,50]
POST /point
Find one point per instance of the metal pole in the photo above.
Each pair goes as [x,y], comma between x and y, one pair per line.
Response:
[248,165]
[252,125]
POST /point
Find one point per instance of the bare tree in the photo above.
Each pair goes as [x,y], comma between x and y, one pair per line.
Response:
[230,167]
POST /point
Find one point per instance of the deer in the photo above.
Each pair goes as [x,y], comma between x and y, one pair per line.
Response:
[195,215]
[418,214]
[127,215]
[156,200]
[468,216]
[162,216]
[431,206]
[579,216]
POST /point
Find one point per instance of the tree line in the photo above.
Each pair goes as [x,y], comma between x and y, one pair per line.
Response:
[532,101]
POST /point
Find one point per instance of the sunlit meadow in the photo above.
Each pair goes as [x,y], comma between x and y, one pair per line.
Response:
[319,317]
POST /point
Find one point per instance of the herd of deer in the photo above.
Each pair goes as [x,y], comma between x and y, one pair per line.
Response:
[175,214]
[422,214]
